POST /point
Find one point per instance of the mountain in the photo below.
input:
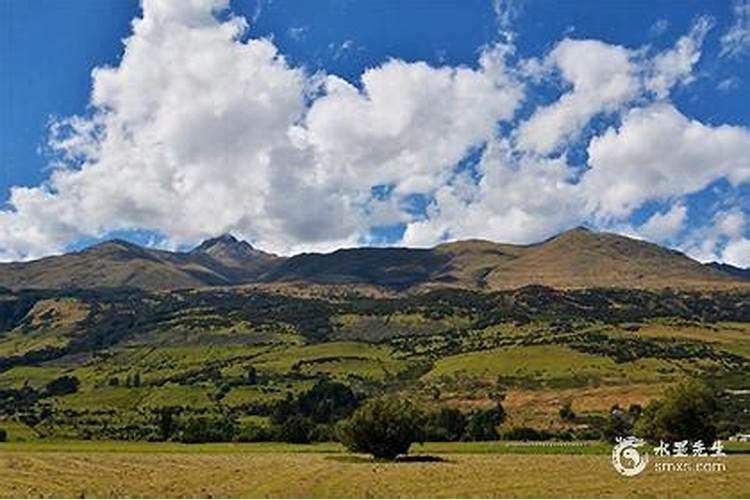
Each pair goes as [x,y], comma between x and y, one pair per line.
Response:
[117,263]
[737,272]
[575,259]
[581,258]
[236,261]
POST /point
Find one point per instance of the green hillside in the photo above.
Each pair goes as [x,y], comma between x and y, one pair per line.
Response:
[242,356]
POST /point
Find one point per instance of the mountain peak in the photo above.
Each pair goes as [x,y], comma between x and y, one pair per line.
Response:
[225,246]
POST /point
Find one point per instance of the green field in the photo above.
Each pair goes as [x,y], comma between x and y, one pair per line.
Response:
[548,362]
[323,470]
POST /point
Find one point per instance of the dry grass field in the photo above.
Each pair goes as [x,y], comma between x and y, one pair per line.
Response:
[35,473]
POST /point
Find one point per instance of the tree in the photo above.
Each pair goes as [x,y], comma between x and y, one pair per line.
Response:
[165,423]
[448,424]
[328,401]
[483,424]
[62,385]
[296,429]
[325,402]
[251,377]
[687,411]
[205,429]
[3,435]
[566,412]
[383,428]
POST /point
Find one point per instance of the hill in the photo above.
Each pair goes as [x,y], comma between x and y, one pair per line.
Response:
[575,259]
[117,263]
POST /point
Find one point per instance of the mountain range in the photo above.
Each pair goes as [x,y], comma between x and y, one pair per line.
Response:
[575,259]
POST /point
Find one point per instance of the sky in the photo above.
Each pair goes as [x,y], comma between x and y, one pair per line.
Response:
[311,126]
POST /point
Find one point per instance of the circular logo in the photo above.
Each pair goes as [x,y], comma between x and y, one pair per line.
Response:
[626,459]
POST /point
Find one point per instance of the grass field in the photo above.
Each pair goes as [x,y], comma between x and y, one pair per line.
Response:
[546,362]
[272,470]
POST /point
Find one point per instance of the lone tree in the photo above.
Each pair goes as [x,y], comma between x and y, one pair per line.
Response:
[687,411]
[384,428]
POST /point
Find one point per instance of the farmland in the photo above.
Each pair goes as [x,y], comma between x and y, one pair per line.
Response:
[322,470]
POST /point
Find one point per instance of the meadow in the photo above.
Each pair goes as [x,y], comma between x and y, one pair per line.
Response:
[442,470]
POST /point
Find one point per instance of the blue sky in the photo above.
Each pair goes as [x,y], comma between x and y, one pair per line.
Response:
[339,193]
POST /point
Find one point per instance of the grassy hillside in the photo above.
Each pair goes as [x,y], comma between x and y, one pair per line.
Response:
[242,354]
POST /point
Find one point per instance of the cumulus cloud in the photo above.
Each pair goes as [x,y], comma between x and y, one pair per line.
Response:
[518,199]
[658,153]
[666,225]
[737,253]
[602,78]
[198,131]
[721,240]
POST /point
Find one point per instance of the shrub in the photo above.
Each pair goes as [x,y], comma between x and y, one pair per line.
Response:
[448,424]
[296,429]
[566,412]
[483,424]
[62,385]
[206,430]
[621,422]
[687,411]
[326,402]
[255,433]
[383,428]
[527,434]
[3,435]
[322,433]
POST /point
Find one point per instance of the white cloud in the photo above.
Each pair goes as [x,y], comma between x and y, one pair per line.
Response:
[196,132]
[736,41]
[410,124]
[729,84]
[602,78]
[675,66]
[658,153]
[710,242]
[659,27]
[663,226]
[737,253]
[518,199]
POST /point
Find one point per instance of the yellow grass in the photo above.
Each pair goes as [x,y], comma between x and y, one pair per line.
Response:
[541,408]
[76,474]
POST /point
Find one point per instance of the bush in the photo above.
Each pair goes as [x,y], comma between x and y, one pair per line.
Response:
[527,434]
[3,435]
[206,430]
[687,411]
[448,424]
[325,402]
[296,429]
[483,424]
[255,433]
[383,428]
[61,386]
[566,412]
[323,433]
[621,422]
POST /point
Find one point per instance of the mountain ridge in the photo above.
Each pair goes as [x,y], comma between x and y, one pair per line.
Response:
[575,259]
